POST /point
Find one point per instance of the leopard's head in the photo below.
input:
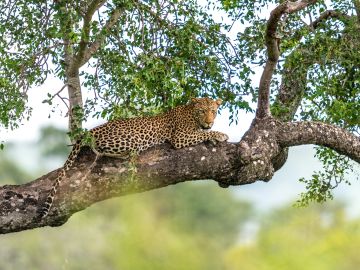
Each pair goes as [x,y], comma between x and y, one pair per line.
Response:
[204,111]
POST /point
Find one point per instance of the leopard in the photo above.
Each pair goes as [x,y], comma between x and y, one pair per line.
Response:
[182,126]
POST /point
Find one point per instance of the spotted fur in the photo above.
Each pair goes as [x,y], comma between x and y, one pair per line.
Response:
[182,126]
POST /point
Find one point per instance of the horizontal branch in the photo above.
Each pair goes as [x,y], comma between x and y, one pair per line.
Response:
[338,139]
[158,167]
[257,156]
[330,14]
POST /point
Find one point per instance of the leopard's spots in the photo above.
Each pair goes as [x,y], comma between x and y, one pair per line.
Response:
[182,126]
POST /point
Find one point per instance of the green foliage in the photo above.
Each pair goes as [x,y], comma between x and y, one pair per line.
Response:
[24,52]
[329,56]
[156,56]
[11,173]
[319,187]
[245,11]
[314,238]
[52,142]
[155,61]
[13,105]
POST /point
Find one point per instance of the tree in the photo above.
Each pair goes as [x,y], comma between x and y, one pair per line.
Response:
[144,56]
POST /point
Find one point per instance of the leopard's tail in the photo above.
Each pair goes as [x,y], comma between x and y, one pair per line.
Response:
[51,195]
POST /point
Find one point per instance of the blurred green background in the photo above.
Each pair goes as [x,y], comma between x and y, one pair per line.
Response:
[187,226]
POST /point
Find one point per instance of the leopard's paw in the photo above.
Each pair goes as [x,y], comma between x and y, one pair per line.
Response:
[221,137]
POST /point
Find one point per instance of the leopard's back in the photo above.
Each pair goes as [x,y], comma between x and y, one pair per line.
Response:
[131,135]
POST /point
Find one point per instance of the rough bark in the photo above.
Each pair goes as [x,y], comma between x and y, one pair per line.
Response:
[357,9]
[298,133]
[75,100]
[254,158]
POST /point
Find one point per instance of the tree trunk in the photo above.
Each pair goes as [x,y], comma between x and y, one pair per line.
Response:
[76,102]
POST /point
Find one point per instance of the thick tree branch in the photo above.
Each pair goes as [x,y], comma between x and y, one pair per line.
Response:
[338,139]
[273,52]
[293,82]
[155,168]
[255,157]
[330,14]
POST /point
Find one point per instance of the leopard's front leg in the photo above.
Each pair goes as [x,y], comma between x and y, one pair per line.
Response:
[183,139]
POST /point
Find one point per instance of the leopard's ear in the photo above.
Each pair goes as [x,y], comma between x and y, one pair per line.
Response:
[194,100]
[219,101]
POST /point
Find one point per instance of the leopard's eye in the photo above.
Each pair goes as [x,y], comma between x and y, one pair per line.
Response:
[201,111]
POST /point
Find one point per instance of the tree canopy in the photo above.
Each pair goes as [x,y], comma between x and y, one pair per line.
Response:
[141,57]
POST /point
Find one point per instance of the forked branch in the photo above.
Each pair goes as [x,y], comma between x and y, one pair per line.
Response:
[273,52]
[85,33]
[95,45]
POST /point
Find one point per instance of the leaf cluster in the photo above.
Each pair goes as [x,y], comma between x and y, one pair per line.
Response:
[319,68]
[160,55]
